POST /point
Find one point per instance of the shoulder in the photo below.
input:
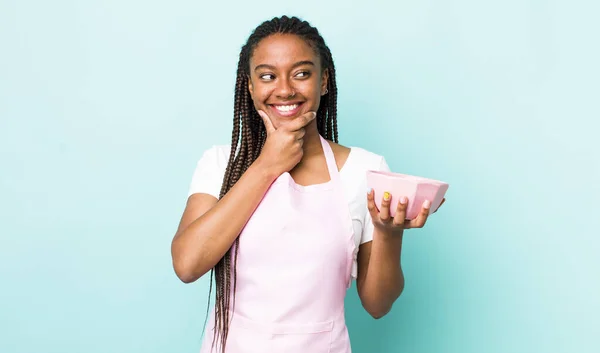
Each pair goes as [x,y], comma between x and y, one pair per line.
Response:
[216,157]
[360,159]
[354,171]
[337,148]
[357,157]
[210,169]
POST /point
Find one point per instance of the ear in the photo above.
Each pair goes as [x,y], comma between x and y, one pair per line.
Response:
[250,87]
[324,81]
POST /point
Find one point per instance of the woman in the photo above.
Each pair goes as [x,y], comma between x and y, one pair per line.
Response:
[280,216]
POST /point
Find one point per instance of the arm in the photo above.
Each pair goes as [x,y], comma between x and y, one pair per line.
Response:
[209,227]
[380,278]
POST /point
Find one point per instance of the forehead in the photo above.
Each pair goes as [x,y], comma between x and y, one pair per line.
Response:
[282,50]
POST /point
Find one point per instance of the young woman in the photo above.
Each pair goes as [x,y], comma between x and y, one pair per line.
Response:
[281,216]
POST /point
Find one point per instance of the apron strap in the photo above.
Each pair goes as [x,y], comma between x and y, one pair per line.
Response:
[334,174]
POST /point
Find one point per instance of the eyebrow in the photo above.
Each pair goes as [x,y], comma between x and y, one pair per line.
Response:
[271,67]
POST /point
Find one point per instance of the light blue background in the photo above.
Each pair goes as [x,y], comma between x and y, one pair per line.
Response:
[105,107]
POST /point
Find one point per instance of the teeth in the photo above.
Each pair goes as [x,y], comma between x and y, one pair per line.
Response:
[286,108]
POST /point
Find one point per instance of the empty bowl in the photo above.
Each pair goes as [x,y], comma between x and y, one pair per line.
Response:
[416,189]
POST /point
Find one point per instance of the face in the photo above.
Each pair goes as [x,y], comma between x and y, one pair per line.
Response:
[286,79]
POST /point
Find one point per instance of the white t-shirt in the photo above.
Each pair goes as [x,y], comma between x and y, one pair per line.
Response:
[209,172]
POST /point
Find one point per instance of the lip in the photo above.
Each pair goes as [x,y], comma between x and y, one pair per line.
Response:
[288,113]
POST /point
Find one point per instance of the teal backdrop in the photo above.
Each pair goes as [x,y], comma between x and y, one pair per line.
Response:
[105,107]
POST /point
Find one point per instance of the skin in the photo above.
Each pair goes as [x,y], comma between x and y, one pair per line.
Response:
[285,70]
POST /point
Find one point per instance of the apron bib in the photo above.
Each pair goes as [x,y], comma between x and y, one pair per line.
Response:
[294,266]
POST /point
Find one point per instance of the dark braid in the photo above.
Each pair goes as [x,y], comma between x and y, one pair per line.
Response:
[250,134]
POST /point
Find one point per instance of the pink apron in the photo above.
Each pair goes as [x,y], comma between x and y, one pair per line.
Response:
[294,266]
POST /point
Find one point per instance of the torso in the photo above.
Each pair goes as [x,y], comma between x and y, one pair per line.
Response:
[294,264]
[355,161]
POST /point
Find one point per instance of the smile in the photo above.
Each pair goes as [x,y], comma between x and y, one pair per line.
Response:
[286,110]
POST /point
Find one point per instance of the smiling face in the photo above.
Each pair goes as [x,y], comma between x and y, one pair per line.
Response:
[286,79]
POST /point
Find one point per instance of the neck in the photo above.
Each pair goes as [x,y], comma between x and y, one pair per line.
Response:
[312,141]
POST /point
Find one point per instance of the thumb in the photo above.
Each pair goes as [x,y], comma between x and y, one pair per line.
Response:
[268,124]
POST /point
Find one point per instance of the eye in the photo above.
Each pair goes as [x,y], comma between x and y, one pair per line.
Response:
[303,74]
[267,77]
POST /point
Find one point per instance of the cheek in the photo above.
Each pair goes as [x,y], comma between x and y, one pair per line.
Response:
[260,95]
[312,93]
[310,89]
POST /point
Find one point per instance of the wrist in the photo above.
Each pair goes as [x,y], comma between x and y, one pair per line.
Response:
[387,235]
[266,171]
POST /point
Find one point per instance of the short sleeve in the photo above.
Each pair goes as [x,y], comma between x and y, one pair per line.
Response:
[367,231]
[209,172]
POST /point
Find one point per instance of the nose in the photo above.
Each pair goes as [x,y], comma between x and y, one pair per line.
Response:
[284,89]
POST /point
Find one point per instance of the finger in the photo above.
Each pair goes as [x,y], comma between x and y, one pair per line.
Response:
[300,134]
[371,205]
[441,203]
[301,121]
[384,214]
[419,222]
[400,216]
[267,121]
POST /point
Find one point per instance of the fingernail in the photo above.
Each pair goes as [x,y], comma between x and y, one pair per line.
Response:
[386,196]
[427,204]
[369,190]
[404,200]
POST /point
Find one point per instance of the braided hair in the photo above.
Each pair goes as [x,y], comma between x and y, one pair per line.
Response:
[250,134]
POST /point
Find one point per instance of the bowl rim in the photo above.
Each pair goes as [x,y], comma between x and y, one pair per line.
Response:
[407,177]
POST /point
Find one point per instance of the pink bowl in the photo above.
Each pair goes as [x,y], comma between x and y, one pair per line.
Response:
[416,189]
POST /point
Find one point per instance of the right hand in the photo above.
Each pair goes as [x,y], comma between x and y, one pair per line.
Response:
[283,148]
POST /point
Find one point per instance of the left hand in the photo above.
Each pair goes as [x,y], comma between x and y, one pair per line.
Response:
[383,220]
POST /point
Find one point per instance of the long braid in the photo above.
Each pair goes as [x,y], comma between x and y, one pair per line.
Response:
[248,138]
[332,104]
